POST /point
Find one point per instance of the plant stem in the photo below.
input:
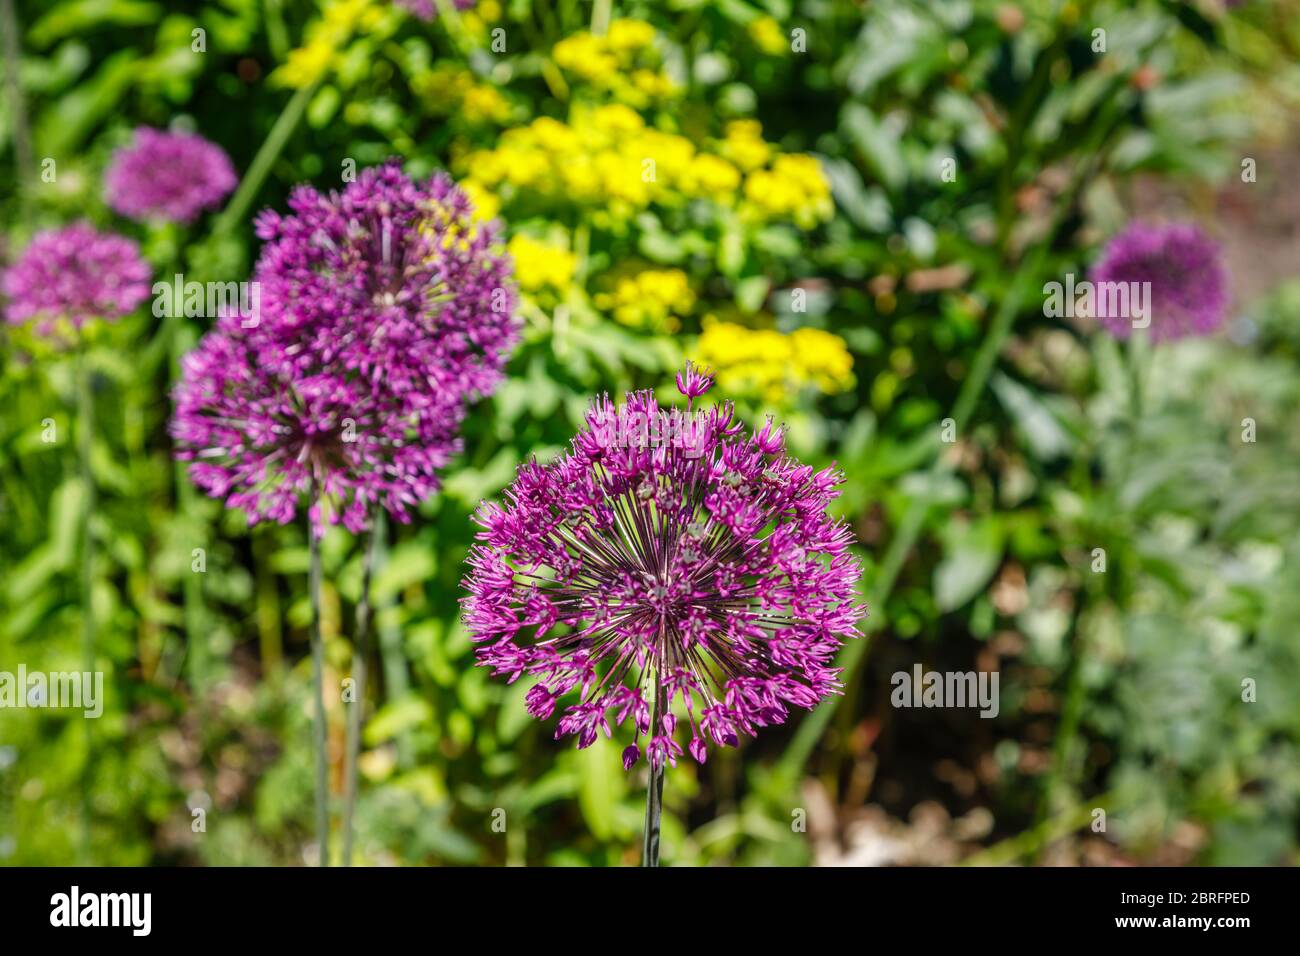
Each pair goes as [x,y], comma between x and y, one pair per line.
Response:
[449,20]
[85,439]
[654,798]
[600,13]
[191,587]
[266,156]
[1139,353]
[14,91]
[317,672]
[397,682]
[277,34]
[1059,781]
[359,655]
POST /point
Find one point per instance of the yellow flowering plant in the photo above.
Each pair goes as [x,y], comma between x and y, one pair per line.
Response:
[630,222]
[629,219]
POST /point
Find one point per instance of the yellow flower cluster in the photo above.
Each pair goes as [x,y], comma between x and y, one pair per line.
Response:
[454,90]
[473,24]
[325,38]
[793,188]
[620,63]
[607,157]
[655,299]
[539,266]
[767,36]
[770,365]
[744,144]
[486,204]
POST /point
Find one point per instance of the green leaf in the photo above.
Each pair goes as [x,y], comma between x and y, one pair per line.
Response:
[1041,431]
[409,562]
[393,718]
[600,786]
[84,16]
[879,147]
[63,128]
[973,552]
[751,293]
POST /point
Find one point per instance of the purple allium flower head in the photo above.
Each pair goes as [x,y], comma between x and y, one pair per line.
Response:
[168,176]
[260,431]
[76,273]
[1188,281]
[709,567]
[384,311]
[394,280]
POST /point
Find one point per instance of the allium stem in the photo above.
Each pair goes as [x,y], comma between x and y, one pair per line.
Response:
[397,682]
[85,437]
[654,798]
[317,672]
[192,589]
[1139,353]
[355,713]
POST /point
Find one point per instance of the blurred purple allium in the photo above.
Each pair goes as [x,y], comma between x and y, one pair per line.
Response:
[76,273]
[708,566]
[384,311]
[393,280]
[1189,283]
[168,176]
[259,432]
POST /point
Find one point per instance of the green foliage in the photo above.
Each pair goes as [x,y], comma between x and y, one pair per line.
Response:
[1121,688]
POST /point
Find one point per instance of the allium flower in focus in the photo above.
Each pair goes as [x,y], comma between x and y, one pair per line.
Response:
[1189,283]
[75,274]
[168,176]
[384,311]
[700,561]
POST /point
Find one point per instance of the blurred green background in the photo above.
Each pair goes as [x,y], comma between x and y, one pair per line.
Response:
[803,238]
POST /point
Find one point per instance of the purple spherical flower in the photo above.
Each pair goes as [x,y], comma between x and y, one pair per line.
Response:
[168,176]
[261,432]
[384,310]
[666,553]
[1181,269]
[393,279]
[76,273]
